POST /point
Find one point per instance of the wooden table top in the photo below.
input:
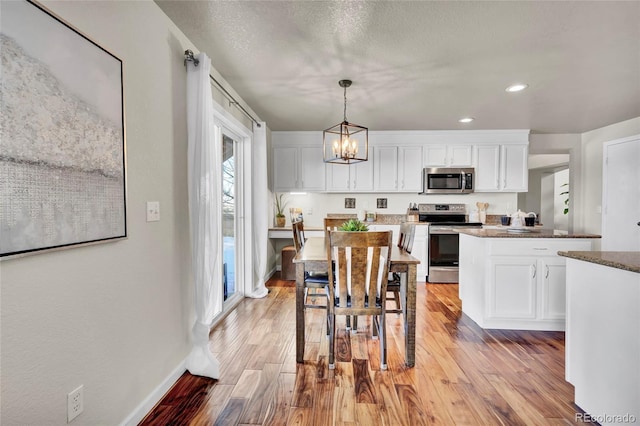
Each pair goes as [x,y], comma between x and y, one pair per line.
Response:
[314,251]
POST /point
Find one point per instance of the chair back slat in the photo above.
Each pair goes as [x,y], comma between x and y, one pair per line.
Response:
[408,230]
[298,235]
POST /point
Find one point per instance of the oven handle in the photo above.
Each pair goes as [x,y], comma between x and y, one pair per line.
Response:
[443,232]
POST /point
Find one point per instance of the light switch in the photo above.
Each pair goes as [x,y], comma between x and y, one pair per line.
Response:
[153,211]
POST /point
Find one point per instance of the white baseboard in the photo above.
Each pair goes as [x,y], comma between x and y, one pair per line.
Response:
[152,399]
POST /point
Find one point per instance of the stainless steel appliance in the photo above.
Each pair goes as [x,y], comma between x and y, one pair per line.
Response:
[447,180]
[444,252]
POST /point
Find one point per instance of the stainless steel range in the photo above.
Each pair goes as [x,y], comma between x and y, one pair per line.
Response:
[444,221]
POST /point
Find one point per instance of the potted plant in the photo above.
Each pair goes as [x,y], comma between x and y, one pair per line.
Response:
[354,225]
[280,218]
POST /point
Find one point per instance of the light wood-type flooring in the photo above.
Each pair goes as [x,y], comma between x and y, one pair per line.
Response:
[464,375]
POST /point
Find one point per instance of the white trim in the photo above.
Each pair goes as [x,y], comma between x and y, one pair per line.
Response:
[155,396]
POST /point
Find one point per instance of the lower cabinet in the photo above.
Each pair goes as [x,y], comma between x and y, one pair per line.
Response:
[515,283]
[527,287]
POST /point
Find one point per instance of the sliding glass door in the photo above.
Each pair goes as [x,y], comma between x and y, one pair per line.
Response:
[229,216]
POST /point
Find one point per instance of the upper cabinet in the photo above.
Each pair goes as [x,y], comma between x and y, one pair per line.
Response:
[297,165]
[448,155]
[385,168]
[410,168]
[396,160]
[501,168]
[353,177]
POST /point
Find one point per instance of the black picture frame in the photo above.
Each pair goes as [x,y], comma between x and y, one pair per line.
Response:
[63,147]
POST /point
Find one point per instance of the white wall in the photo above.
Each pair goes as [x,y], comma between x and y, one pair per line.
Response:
[113,317]
[592,146]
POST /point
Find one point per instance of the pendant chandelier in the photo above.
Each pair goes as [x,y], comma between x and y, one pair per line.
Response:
[345,143]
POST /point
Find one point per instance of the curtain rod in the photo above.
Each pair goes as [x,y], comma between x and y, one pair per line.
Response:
[188,57]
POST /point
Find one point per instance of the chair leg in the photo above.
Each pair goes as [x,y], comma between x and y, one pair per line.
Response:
[383,342]
[332,340]
[354,329]
[396,296]
[348,322]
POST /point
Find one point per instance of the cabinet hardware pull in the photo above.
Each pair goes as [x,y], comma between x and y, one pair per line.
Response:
[546,275]
[534,271]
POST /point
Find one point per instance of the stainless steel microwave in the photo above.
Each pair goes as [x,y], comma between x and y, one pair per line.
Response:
[447,180]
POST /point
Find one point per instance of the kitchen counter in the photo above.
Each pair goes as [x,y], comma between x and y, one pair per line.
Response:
[516,281]
[532,232]
[625,260]
[603,333]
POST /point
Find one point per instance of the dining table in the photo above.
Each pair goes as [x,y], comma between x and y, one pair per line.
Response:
[313,258]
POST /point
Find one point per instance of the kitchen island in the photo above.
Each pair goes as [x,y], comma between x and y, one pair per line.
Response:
[514,278]
[603,334]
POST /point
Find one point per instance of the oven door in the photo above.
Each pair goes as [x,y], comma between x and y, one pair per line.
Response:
[444,254]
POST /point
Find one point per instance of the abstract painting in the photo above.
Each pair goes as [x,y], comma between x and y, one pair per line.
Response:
[62,135]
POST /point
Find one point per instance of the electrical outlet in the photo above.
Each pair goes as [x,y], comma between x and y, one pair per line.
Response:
[75,404]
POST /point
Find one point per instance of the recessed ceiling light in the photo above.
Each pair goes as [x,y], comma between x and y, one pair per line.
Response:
[466,120]
[516,87]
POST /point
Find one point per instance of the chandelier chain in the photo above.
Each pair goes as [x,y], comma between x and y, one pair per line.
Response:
[345,103]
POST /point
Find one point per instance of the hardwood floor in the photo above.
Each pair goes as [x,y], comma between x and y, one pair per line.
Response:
[464,375]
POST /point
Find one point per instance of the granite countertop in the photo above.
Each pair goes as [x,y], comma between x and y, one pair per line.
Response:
[627,260]
[526,232]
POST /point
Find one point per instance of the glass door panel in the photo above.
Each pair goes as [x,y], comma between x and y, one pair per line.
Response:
[229,215]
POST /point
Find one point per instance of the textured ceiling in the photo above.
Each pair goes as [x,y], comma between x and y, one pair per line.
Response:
[422,65]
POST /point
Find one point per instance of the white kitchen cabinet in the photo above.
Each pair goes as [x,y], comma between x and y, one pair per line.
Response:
[512,287]
[298,169]
[409,168]
[353,177]
[515,283]
[448,155]
[385,168]
[501,168]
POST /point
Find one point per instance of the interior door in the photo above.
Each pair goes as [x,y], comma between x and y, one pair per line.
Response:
[621,195]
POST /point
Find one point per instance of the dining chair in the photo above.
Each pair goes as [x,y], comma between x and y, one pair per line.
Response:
[358,286]
[315,284]
[405,242]
[333,224]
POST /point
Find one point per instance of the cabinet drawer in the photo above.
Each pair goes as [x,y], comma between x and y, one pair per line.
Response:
[537,246]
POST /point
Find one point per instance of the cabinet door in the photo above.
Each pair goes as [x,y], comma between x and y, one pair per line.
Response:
[385,172]
[410,168]
[487,168]
[362,175]
[312,169]
[460,155]
[448,155]
[338,178]
[552,282]
[435,156]
[512,287]
[285,163]
[514,168]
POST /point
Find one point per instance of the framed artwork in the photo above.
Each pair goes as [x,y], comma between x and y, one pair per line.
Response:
[62,141]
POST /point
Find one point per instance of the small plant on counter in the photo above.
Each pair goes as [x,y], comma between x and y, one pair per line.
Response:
[280,219]
[354,225]
[279,205]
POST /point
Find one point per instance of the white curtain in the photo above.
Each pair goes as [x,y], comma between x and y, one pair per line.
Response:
[204,199]
[259,214]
